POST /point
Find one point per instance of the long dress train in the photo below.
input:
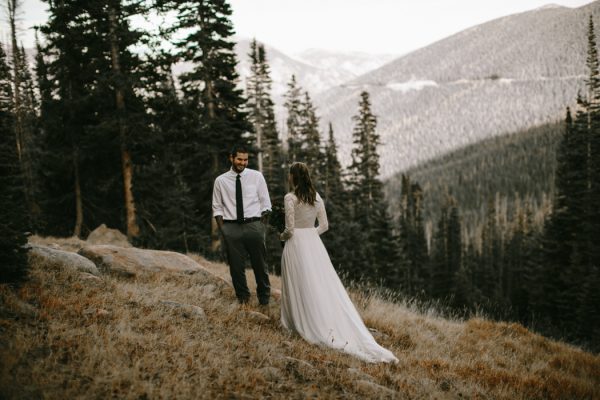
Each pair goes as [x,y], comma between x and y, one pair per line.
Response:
[314,303]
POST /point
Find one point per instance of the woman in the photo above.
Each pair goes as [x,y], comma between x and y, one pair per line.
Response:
[314,302]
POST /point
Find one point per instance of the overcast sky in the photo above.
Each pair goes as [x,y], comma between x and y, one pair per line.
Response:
[371,26]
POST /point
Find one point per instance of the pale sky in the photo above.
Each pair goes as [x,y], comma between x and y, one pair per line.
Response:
[370,26]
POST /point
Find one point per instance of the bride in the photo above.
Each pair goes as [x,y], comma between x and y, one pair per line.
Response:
[314,302]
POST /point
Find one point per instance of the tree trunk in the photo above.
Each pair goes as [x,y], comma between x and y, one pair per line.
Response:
[78,200]
[20,134]
[210,105]
[126,162]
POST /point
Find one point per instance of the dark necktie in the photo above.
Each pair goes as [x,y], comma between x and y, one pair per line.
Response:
[239,200]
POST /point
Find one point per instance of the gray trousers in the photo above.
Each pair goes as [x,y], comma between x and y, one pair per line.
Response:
[242,240]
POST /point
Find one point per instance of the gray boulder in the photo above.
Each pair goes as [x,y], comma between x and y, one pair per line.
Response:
[105,235]
[55,258]
[187,310]
[132,261]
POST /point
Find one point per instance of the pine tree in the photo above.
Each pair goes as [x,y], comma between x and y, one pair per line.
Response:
[332,171]
[165,207]
[413,277]
[339,242]
[270,151]
[293,122]
[211,92]
[447,259]
[262,117]
[13,212]
[24,110]
[310,140]
[66,111]
[376,251]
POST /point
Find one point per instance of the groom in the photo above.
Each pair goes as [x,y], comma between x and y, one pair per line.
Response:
[241,206]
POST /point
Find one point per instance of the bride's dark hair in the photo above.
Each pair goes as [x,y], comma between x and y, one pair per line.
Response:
[303,187]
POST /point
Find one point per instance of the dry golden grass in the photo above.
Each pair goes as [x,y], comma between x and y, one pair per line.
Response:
[63,337]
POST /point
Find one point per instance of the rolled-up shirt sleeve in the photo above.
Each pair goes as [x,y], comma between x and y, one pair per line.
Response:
[263,195]
[217,199]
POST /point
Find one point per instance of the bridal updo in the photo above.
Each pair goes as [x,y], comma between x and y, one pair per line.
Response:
[302,184]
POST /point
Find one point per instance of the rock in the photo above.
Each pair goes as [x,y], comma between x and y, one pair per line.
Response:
[187,310]
[85,276]
[257,316]
[271,374]
[299,363]
[372,388]
[99,312]
[54,258]
[208,291]
[359,374]
[132,261]
[378,335]
[300,369]
[105,235]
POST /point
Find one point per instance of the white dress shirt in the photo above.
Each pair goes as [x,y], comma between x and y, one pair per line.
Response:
[254,190]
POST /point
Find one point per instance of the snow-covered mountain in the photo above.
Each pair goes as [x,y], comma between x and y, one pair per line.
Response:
[315,70]
[495,78]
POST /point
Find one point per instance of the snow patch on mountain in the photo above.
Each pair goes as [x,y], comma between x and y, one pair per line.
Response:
[411,85]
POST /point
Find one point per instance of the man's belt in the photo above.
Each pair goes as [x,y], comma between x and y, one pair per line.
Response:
[243,221]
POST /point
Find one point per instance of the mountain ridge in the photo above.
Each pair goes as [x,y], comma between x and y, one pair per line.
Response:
[499,77]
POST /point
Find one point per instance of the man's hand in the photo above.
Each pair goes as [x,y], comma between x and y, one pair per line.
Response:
[264,217]
[219,219]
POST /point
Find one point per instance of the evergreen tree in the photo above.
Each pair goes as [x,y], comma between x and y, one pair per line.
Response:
[66,113]
[99,116]
[310,138]
[332,170]
[270,151]
[212,94]
[375,254]
[262,117]
[340,242]
[166,208]
[13,212]
[447,252]
[24,110]
[413,277]
[292,105]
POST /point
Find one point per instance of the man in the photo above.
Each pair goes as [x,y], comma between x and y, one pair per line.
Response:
[241,206]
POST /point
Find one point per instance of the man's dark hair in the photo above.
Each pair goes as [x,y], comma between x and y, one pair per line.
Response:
[239,148]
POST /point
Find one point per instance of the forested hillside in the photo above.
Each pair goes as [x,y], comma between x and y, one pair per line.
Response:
[515,168]
[513,73]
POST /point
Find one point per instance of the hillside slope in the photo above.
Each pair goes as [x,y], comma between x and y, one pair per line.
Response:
[66,337]
[516,167]
[499,77]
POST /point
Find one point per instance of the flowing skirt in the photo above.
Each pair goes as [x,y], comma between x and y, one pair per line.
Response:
[315,304]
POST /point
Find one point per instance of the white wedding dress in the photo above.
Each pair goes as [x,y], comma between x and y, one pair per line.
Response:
[314,302]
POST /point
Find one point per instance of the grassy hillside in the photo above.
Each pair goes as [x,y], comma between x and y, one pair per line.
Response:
[63,337]
[518,165]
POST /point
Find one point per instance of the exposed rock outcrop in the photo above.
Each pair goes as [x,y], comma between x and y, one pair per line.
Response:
[56,258]
[105,235]
[132,261]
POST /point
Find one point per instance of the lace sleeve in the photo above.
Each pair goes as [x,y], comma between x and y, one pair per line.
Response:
[321,216]
[288,202]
